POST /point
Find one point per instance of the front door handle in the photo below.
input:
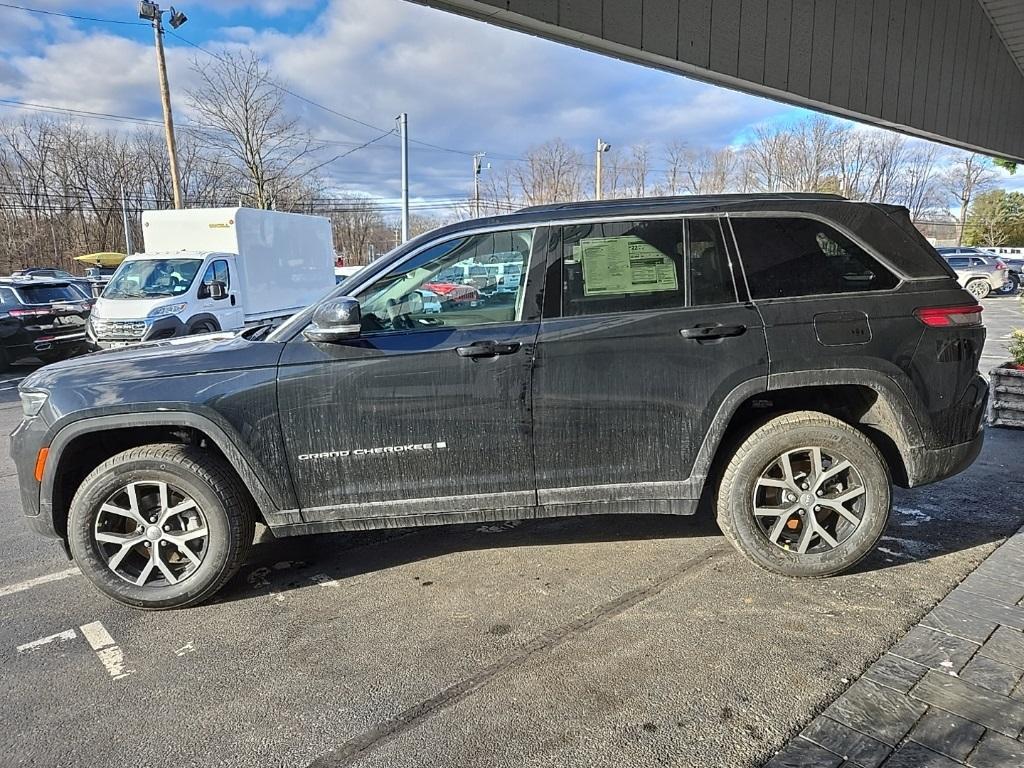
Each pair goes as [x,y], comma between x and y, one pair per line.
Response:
[706,332]
[488,349]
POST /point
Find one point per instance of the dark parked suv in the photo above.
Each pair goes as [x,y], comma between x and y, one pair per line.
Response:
[41,318]
[787,357]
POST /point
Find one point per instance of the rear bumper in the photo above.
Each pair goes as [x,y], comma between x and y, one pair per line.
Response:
[930,465]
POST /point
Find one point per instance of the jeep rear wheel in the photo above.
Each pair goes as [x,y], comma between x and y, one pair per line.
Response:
[979,288]
[161,526]
[805,495]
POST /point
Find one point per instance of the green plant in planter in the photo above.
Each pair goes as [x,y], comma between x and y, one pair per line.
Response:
[1017,347]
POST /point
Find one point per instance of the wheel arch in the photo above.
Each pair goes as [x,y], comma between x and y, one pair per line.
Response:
[867,400]
[81,446]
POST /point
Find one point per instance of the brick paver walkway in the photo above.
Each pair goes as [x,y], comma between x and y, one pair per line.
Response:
[949,694]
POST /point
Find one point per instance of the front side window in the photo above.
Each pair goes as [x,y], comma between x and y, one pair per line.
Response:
[803,257]
[621,266]
[455,284]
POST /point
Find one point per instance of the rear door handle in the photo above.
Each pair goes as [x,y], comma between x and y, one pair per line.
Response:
[704,332]
[488,349]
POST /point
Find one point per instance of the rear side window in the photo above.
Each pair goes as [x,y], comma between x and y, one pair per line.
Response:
[958,262]
[621,266]
[711,280]
[46,294]
[803,257]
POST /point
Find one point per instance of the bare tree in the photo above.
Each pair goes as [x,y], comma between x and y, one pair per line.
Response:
[358,224]
[552,172]
[968,175]
[242,116]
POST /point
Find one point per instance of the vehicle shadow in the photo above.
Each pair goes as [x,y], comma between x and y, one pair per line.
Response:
[280,565]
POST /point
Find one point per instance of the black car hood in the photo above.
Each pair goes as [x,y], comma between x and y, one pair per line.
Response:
[174,357]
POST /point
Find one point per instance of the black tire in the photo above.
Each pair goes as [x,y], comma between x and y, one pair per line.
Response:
[1012,285]
[979,288]
[219,495]
[203,327]
[736,497]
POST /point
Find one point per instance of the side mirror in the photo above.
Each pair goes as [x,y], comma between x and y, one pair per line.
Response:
[218,290]
[335,320]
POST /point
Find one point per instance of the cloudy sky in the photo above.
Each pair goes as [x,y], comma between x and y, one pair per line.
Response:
[467,86]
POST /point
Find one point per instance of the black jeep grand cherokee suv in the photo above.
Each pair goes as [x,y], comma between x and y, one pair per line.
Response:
[790,355]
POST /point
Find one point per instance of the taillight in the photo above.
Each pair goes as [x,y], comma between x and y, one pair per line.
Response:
[30,312]
[1000,264]
[950,317]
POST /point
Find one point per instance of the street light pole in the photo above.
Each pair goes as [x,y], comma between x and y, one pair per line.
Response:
[602,147]
[403,127]
[477,168]
[153,13]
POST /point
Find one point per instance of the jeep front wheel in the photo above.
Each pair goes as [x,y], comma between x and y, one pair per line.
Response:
[160,526]
[805,495]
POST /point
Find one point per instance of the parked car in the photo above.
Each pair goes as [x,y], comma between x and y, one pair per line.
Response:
[41,318]
[431,302]
[981,274]
[454,294]
[1014,264]
[341,274]
[789,355]
[82,283]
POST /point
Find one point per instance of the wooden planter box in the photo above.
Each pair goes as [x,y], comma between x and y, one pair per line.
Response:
[1006,397]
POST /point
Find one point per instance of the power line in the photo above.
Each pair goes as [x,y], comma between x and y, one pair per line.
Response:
[74,16]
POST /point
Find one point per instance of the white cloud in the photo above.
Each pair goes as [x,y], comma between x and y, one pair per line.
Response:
[465,85]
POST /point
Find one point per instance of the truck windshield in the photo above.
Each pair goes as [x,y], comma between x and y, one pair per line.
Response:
[147,278]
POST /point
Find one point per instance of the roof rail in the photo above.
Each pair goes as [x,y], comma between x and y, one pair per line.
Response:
[677,199]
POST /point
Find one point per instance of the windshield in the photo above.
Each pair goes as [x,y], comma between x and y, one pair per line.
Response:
[149,278]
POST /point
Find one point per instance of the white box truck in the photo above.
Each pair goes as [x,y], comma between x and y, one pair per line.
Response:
[214,269]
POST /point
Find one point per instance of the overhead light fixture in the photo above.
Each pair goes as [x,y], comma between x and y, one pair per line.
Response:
[177,18]
[149,11]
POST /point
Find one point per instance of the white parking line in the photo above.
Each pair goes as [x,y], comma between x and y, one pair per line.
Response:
[23,585]
[64,636]
[97,635]
[110,654]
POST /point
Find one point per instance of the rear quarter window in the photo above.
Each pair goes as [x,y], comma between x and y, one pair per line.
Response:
[786,257]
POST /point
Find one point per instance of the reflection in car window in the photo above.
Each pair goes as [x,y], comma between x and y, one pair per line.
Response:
[467,281]
[804,257]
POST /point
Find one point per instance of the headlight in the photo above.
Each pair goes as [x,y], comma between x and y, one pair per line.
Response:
[167,309]
[32,402]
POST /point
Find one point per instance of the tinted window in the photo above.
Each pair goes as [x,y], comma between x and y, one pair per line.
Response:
[45,294]
[7,296]
[621,266]
[958,262]
[456,279]
[803,257]
[710,277]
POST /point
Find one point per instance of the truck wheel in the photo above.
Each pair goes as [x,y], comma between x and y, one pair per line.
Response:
[805,495]
[160,526]
[979,288]
[202,327]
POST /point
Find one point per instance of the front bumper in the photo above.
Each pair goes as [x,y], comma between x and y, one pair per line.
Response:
[108,334]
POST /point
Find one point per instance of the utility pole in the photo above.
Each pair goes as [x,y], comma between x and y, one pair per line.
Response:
[602,147]
[153,13]
[403,129]
[477,168]
[127,229]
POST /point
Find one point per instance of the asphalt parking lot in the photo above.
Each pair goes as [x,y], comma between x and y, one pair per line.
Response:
[593,641]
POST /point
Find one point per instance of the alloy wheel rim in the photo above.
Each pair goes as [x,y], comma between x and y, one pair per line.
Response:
[809,500]
[151,534]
